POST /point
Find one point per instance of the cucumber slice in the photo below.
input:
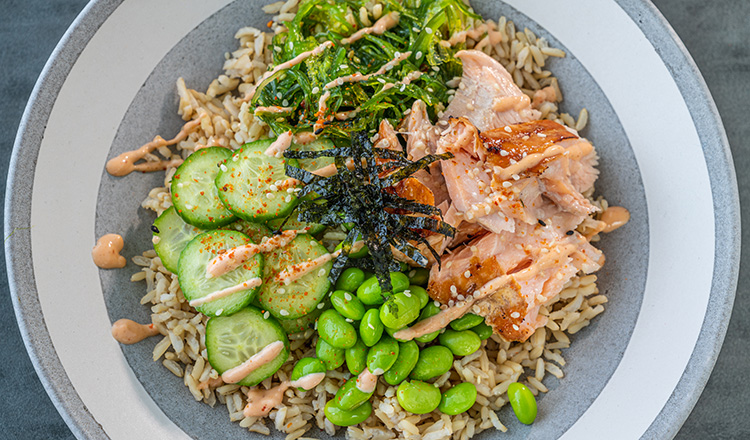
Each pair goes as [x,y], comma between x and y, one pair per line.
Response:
[172,237]
[255,231]
[301,296]
[244,184]
[316,145]
[194,194]
[192,272]
[231,340]
[294,224]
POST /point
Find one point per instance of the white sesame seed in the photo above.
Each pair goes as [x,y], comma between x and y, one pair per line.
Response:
[436,304]
[487,209]
[513,161]
[281,291]
[503,153]
[454,290]
[515,315]
[407,293]
[321,305]
[412,273]
[288,198]
[349,320]
[179,185]
[515,327]
[315,89]
[223,167]
[467,274]
[507,184]
[450,303]
[321,272]
[461,297]
[515,176]
[219,312]
[419,54]
[270,195]
[436,68]
[283,313]
[347,296]
[235,158]
[541,135]
[267,315]
[508,129]
[273,187]
[285,103]
[188,206]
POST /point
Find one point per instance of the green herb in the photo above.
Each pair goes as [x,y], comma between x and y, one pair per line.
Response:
[383,96]
[361,196]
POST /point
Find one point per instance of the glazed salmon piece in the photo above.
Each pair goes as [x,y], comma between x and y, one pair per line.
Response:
[487,95]
[536,262]
[522,173]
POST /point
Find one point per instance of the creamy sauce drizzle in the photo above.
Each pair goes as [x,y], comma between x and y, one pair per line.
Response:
[612,218]
[366,381]
[297,271]
[575,151]
[281,144]
[124,164]
[506,103]
[249,284]
[236,256]
[260,402]
[378,28]
[288,65]
[442,319]
[129,332]
[106,253]
[275,109]
[256,361]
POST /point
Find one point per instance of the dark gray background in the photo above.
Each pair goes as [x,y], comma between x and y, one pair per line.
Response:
[716,33]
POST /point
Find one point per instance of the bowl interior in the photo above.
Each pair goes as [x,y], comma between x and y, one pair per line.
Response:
[595,351]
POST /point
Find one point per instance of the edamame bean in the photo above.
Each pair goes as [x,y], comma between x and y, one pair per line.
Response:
[420,293]
[371,329]
[369,291]
[419,276]
[418,397]
[349,396]
[356,357]
[400,310]
[433,362]
[408,353]
[350,279]
[458,399]
[523,402]
[334,329]
[483,330]
[465,322]
[331,356]
[430,310]
[341,417]
[382,356]
[461,343]
[348,305]
[305,366]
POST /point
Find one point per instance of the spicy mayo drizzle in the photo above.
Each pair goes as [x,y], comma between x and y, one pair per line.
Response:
[124,164]
[256,361]
[106,253]
[384,23]
[575,151]
[129,332]
[236,256]
[281,144]
[249,284]
[297,271]
[260,402]
[612,218]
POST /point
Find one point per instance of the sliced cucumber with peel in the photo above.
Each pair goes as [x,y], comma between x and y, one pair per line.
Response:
[294,224]
[194,260]
[316,145]
[232,340]
[301,296]
[172,235]
[194,194]
[255,231]
[246,184]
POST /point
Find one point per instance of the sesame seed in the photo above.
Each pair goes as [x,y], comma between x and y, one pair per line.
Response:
[179,185]
[321,272]
[407,293]
[283,313]
[542,222]
[270,195]
[503,153]
[288,198]
[412,273]
[219,312]
[419,54]
[513,161]
[315,89]
[515,176]
[349,320]
[569,233]
[435,68]
[451,303]
[188,206]
[467,274]
[454,290]
[428,30]
[285,103]
[541,135]
[507,184]
[223,167]
[436,304]
[461,297]
[515,315]
[267,315]
[235,158]
[347,296]
[508,129]
[274,187]
[515,327]
[281,291]
[321,305]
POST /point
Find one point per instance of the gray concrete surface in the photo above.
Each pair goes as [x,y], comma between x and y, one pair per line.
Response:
[717,34]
